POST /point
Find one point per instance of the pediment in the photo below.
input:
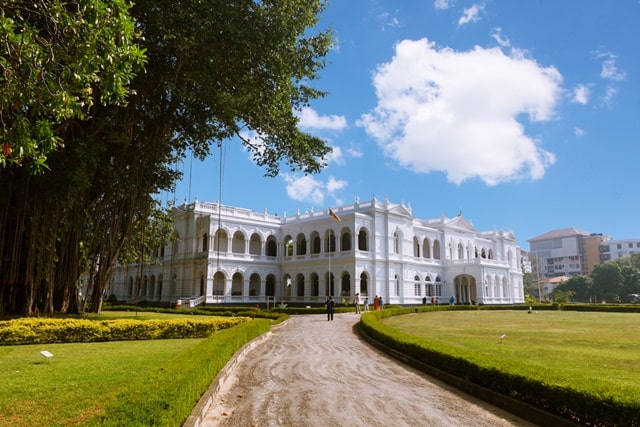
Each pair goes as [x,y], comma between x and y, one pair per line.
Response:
[459,224]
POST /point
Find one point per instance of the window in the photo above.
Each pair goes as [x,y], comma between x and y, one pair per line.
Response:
[417,287]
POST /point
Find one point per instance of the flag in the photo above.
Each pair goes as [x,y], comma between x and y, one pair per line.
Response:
[334,216]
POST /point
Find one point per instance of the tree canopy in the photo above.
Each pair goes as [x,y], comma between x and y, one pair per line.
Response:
[213,69]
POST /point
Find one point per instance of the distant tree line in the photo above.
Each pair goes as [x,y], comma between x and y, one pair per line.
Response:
[614,281]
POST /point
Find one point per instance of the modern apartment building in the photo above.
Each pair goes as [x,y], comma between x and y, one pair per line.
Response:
[225,254]
[614,249]
[558,253]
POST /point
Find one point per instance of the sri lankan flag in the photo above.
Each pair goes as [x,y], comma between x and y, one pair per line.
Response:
[334,216]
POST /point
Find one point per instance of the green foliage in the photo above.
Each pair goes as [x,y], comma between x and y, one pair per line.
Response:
[168,394]
[58,60]
[213,70]
[42,331]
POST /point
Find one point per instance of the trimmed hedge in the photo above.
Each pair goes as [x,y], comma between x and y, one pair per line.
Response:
[574,405]
[46,330]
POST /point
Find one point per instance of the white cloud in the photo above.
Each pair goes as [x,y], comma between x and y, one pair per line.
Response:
[336,156]
[442,4]
[581,94]
[579,132]
[461,112]
[307,188]
[334,185]
[503,41]
[610,69]
[310,119]
[611,92]
[471,14]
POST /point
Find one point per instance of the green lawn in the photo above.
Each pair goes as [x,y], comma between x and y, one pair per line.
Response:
[77,381]
[590,351]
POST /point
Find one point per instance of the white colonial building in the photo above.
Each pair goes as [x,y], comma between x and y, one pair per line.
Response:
[224,254]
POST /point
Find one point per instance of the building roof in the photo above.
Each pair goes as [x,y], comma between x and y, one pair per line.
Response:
[562,232]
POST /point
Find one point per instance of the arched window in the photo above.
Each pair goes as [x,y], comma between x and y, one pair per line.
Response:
[218,283]
[364,283]
[300,285]
[220,241]
[345,241]
[428,287]
[426,252]
[438,287]
[331,242]
[396,243]
[346,285]
[315,243]
[272,246]
[254,285]
[288,246]
[397,282]
[460,251]
[416,247]
[270,285]
[237,284]
[436,249]
[315,285]
[255,244]
[205,242]
[238,243]
[417,286]
[301,245]
[362,240]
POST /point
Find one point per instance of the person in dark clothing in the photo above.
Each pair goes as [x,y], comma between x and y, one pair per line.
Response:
[330,304]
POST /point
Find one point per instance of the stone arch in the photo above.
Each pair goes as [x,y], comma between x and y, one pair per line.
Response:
[255,244]
[345,240]
[301,244]
[219,281]
[272,246]
[364,283]
[270,285]
[436,249]
[237,284]
[221,240]
[238,242]
[363,239]
[315,243]
[254,285]
[426,248]
[465,288]
[300,285]
[345,284]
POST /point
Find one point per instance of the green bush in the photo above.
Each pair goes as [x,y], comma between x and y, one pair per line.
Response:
[47,330]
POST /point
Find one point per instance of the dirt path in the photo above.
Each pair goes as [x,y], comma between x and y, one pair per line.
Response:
[312,372]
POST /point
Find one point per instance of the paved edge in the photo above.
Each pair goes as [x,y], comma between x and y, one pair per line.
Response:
[208,397]
[521,409]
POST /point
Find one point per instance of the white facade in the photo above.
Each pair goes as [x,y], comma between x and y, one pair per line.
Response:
[614,249]
[226,254]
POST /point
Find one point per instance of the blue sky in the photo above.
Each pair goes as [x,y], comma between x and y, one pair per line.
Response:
[525,115]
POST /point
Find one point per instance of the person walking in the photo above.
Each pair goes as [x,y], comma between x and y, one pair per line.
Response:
[330,304]
[375,303]
[357,301]
[380,303]
[366,304]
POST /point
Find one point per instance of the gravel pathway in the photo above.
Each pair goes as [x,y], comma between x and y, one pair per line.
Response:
[312,372]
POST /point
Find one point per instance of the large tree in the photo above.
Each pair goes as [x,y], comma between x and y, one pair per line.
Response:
[214,68]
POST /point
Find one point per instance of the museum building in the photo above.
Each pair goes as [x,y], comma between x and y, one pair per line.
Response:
[229,255]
